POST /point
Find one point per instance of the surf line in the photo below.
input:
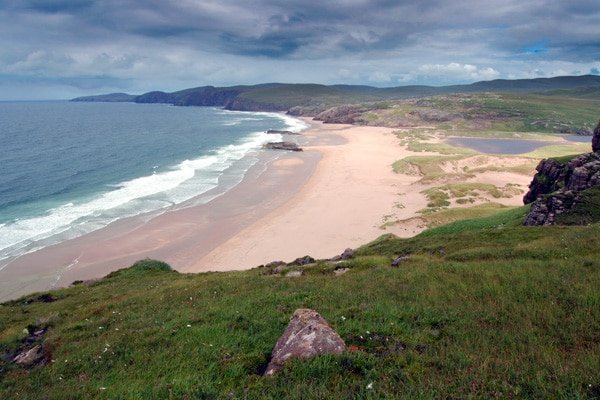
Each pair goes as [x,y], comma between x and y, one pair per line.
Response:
[65,269]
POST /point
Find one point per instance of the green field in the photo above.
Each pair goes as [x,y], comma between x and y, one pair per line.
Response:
[480,309]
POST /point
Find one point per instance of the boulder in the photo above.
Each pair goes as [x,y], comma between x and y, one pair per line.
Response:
[346,255]
[303,261]
[596,139]
[274,264]
[30,357]
[295,274]
[307,335]
[399,260]
[282,146]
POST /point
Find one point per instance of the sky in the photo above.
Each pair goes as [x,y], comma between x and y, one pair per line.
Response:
[66,48]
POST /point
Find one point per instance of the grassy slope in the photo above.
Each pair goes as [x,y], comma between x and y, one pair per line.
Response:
[493,114]
[483,308]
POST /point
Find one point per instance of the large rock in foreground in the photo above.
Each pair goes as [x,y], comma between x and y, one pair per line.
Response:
[306,336]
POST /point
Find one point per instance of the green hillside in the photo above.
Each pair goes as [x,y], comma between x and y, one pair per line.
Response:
[315,98]
[481,308]
[488,113]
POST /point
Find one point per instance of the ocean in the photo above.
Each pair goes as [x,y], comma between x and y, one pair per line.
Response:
[69,168]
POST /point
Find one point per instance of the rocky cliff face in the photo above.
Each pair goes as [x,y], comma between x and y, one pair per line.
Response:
[561,186]
[596,139]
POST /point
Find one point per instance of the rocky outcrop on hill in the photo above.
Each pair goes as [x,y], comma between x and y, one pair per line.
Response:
[307,335]
[348,114]
[596,139]
[435,115]
[559,187]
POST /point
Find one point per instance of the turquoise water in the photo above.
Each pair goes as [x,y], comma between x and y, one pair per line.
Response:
[70,168]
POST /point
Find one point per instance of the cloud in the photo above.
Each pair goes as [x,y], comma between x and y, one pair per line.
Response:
[157,44]
[457,72]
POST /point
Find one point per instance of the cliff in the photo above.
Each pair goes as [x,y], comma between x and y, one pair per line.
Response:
[567,190]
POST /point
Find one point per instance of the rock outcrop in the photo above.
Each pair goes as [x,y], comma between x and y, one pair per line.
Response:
[346,255]
[306,336]
[282,146]
[30,357]
[556,188]
[596,138]
[278,132]
[303,261]
[347,114]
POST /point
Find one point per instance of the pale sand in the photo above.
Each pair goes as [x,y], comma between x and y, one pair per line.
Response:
[344,204]
[348,201]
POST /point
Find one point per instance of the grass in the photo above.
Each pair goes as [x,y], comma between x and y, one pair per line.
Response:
[558,150]
[493,114]
[446,216]
[429,167]
[441,148]
[482,308]
[526,168]
[465,192]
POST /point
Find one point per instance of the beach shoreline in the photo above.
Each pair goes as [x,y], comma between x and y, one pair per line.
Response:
[340,192]
[175,235]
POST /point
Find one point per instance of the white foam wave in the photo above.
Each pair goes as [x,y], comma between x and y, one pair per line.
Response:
[182,182]
[292,124]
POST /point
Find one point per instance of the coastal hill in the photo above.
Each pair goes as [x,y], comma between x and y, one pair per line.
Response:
[557,105]
[478,308]
[314,97]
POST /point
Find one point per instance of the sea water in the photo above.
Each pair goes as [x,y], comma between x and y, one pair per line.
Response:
[69,168]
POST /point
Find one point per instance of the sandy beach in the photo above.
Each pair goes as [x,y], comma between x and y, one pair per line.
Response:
[339,192]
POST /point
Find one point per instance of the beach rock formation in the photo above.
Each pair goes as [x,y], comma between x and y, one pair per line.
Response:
[277,132]
[596,139]
[557,187]
[307,335]
[282,146]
